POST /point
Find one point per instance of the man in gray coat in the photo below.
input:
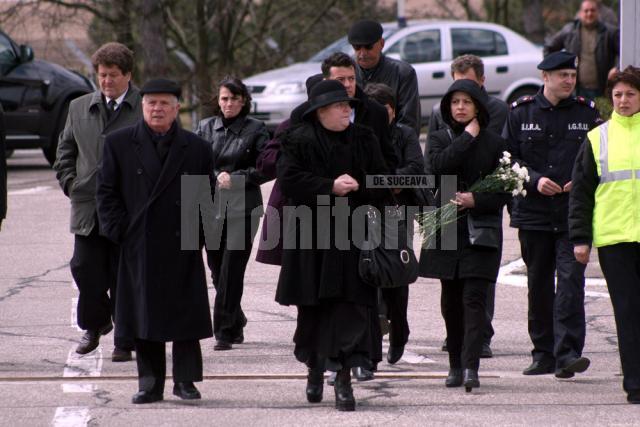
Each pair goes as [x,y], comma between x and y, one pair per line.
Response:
[95,259]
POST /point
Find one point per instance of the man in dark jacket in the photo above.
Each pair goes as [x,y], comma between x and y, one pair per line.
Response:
[95,259]
[596,45]
[162,289]
[366,38]
[471,67]
[544,133]
[3,170]
[339,66]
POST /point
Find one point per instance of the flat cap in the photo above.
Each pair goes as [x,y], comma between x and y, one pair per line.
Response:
[161,86]
[365,32]
[559,61]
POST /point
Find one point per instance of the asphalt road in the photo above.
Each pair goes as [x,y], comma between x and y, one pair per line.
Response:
[43,382]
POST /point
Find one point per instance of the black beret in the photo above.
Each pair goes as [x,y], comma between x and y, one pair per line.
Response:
[365,32]
[559,61]
[161,86]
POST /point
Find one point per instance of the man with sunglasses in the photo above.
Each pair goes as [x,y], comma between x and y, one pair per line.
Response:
[373,67]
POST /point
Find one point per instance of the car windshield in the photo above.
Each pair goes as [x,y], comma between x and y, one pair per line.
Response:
[342,45]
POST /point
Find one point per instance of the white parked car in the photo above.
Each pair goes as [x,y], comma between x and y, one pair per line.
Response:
[429,45]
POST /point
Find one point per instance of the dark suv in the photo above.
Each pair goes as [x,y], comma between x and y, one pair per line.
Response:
[35,97]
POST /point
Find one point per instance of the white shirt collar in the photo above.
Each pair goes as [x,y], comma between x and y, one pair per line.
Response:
[118,99]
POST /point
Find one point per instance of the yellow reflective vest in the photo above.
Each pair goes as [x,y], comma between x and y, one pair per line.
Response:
[616,150]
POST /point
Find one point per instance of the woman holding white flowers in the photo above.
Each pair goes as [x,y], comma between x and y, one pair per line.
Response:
[470,152]
[604,209]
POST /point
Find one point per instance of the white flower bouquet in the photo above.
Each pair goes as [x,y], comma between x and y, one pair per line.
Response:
[506,178]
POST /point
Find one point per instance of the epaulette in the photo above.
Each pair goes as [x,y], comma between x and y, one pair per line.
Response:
[522,100]
[589,103]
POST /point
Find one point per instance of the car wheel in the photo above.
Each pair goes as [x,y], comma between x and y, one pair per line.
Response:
[520,92]
[50,151]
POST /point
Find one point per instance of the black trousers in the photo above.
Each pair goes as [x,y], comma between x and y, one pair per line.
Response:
[94,267]
[151,361]
[556,310]
[396,301]
[463,304]
[228,264]
[621,267]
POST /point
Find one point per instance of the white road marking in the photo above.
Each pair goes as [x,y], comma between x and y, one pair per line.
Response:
[409,356]
[71,417]
[83,365]
[506,277]
[29,191]
[78,388]
[74,315]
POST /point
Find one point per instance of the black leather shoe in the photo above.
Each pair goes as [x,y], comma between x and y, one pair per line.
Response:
[91,339]
[120,355]
[344,392]
[239,339]
[186,390]
[539,367]
[470,379]
[362,374]
[454,379]
[222,345]
[444,345]
[633,396]
[395,353]
[145,396]
[315,380]
[331,379]
[577,365]
[486,352]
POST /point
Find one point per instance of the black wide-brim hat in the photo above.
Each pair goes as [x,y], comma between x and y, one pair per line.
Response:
[325,93]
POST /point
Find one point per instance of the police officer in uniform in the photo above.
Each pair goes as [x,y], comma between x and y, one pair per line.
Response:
[544,133]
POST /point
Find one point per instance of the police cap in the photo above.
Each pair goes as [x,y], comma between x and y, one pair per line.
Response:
[365,32]
[559,61]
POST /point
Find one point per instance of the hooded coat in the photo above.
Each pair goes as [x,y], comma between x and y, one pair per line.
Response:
[470,159]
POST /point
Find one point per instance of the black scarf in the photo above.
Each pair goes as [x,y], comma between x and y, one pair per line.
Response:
[162,142]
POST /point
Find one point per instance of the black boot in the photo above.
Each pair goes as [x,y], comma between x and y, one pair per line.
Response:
[454,379]
[315,380]
[344,393]
[470,379]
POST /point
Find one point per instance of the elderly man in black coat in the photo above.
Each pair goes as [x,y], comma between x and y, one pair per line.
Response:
[162,292]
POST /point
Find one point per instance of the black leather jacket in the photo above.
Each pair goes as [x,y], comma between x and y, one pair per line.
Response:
[401,77]
[235,150]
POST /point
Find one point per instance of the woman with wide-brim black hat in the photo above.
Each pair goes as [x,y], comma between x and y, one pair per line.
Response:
[324,164]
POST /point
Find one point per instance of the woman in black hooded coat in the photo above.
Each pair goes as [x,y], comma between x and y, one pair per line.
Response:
[470,152]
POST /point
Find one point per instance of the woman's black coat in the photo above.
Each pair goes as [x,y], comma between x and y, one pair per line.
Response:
[311,275]
[469,159]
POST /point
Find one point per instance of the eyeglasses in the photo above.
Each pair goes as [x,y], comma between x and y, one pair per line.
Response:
[358,47]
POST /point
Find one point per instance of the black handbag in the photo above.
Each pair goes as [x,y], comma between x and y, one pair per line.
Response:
[387,259]
[484,230]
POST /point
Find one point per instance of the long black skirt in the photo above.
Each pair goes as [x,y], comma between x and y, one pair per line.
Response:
[335,335]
